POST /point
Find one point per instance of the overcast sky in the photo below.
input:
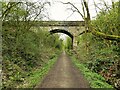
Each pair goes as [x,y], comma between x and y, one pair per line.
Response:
[59,11]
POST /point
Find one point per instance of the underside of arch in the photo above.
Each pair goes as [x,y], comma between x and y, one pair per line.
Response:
[62,31]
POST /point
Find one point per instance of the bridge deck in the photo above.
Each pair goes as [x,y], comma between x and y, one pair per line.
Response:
[60,23]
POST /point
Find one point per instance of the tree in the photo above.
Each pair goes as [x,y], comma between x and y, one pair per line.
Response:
[88,24]
[25,12]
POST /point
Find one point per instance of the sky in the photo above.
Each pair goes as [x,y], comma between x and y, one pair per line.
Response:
[60,12]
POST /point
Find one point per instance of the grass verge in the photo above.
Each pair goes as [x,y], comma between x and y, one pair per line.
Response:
[95,80]
[37,75]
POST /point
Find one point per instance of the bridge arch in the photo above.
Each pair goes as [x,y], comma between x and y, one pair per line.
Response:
[62,31]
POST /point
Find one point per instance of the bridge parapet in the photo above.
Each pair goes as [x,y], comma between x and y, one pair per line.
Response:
[59,23]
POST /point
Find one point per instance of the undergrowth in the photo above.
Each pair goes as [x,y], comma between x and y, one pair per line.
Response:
[37,75]
[95,80]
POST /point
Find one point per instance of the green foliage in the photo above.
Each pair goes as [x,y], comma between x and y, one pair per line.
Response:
[36,76]
[95,80]
[68,44]
[100,55]
[104,19]
[27,52]
[24,49]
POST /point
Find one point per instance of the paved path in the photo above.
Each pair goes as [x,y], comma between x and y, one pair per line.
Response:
[64,75]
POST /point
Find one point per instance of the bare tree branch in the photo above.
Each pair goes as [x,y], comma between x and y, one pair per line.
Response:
[95,6]
[73,11]
[87,9]
[74,8]
[83,8]
[105,4]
